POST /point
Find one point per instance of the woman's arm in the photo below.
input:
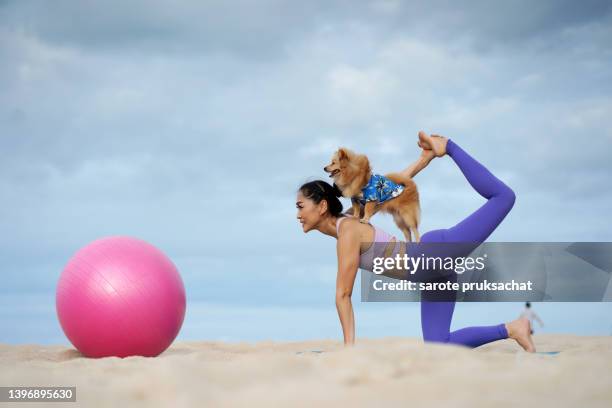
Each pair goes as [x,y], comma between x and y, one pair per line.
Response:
[419,164]
[348,263]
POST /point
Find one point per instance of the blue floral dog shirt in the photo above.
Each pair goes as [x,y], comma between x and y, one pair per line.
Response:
[380,189]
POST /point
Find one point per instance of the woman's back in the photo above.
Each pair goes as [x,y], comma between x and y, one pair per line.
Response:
[376,247]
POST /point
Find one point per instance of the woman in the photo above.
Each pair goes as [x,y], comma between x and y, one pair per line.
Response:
[319,209]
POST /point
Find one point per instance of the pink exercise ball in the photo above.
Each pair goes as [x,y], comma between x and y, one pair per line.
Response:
[120,296]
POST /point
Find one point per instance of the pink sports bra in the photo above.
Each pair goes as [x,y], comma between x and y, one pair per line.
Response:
[366,259]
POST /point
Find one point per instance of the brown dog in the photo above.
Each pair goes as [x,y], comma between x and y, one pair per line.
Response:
[351,173]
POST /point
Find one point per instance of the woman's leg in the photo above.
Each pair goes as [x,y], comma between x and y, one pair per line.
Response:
[479,225]
[436,316]
[436,320]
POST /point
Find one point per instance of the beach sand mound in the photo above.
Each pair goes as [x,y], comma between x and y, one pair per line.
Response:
[381,372]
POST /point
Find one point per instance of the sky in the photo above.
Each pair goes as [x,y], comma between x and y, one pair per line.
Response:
[191,124]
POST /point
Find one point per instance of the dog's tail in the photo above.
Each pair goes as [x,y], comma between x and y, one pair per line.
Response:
[410,189]
[400,179]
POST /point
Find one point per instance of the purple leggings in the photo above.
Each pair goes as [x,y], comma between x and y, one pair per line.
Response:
[436,316]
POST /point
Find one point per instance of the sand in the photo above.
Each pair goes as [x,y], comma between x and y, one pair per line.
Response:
[376,372]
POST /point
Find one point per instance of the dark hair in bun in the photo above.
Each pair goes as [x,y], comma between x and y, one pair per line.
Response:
[319,190]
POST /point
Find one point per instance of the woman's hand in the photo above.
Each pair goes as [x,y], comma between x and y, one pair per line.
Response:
[427,154]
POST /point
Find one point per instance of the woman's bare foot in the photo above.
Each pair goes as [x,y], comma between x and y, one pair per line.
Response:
[520,330]
[434,142]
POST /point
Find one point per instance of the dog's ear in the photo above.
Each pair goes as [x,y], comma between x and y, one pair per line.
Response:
[342,153]
[364,161]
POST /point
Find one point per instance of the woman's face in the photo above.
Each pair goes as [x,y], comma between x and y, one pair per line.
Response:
[308,212]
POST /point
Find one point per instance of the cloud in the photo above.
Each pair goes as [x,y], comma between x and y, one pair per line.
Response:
[247,27]
[191,125]
[320,148]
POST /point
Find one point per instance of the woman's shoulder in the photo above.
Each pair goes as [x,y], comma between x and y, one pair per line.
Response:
[351,225]
[346,220]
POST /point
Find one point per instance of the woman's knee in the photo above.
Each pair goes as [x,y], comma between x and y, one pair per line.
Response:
[436,337]
[509,196]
